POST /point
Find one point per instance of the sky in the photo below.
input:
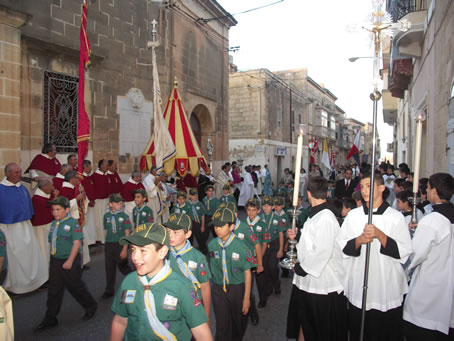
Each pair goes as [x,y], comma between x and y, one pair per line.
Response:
[311,34]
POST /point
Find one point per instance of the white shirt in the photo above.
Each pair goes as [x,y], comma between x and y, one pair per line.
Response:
[149,185]
[430,300]
[387,279]
[319,255]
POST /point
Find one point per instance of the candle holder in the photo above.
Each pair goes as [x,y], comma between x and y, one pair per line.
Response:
[414,201]
[289,262]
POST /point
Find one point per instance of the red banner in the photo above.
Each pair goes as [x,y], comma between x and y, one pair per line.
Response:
[83,125]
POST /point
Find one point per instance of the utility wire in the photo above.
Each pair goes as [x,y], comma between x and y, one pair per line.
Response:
[207,20]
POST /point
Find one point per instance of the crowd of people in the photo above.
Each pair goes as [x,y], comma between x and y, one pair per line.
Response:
[190,249]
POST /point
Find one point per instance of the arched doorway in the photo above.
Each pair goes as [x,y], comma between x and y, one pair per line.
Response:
[196,129]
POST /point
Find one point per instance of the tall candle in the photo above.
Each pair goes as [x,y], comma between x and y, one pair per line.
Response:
[299,155]
[417,155]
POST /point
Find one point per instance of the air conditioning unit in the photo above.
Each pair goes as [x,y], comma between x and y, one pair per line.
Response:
[281,151]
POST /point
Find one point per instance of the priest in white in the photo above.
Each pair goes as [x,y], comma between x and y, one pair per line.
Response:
[26,268]
[222,180]
[247,187]
[429,306]
[154,188]
[390,246]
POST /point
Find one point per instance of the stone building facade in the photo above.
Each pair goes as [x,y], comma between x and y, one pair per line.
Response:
[265,109]
[420,77]
[40,51]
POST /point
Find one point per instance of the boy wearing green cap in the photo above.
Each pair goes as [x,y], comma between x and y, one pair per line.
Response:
[186,260]
[142,213]
[226,195]
[65,268]
[116,225]
[230,263]
[182,206]
[199,228]
[154,302]
[211,204]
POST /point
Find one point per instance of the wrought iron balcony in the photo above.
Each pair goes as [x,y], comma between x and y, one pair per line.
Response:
[400,8]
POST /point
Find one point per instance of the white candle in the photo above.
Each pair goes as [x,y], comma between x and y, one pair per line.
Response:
[299,155]
[417,155]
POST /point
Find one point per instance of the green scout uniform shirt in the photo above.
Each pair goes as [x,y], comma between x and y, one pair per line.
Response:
[301,219]
[186,209]
[195,261]
[122,223]
[68,231]
[247,235]
[259,229]
[3,251]
[199,208]
[211,204]
[228,198]
[176,302]
[238,259]
[142,215]
[284,221]
[272,226]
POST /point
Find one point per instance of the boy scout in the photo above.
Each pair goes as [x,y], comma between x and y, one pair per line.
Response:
[186,260]
[198,220]
[211,204]
[116,225]
[182,206]
[230,263]
[65,268]
[226,196]
[155,303]
[142,213]
[276,250]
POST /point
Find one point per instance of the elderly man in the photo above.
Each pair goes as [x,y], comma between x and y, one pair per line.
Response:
[133,184]
[156,193]
[45,164]
[26,269]
[72,161]
[60,177]
[42,218]
[222,180]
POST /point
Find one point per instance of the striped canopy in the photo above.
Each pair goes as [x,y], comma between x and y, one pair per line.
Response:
[188,158]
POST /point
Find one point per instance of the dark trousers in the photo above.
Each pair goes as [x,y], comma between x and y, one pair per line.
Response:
[293,320]
[414,333]
[3,276]
[230,322]
[379,325]
[112,261]
[268,280]
[71,279]
[200,236]
[253,313]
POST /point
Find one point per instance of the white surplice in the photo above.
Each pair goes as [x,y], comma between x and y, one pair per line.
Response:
[247,189]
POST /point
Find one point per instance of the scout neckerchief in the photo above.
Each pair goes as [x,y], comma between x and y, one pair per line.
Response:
[139,209]
[113,221]
[225,279]
[183,266]
[252,223]
[194,211]
[208,202]
[237,224]
[180,208]
[158,328]
[54,230]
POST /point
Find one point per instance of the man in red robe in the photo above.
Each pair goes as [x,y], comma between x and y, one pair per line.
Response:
[72,191]
[133,184]
[42,217]
[116,184]
[60,177]
[45,164]
[101,183]
[72,161]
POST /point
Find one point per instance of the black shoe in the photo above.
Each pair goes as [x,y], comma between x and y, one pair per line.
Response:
[255,320]
[89,313]
[85,267]
[277,292]
[107,295]
[46,324]
[262,304]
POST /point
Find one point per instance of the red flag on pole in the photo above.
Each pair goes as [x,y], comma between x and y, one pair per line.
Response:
[83,124]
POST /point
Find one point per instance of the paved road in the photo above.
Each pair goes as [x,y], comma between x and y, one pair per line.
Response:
[29,310]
